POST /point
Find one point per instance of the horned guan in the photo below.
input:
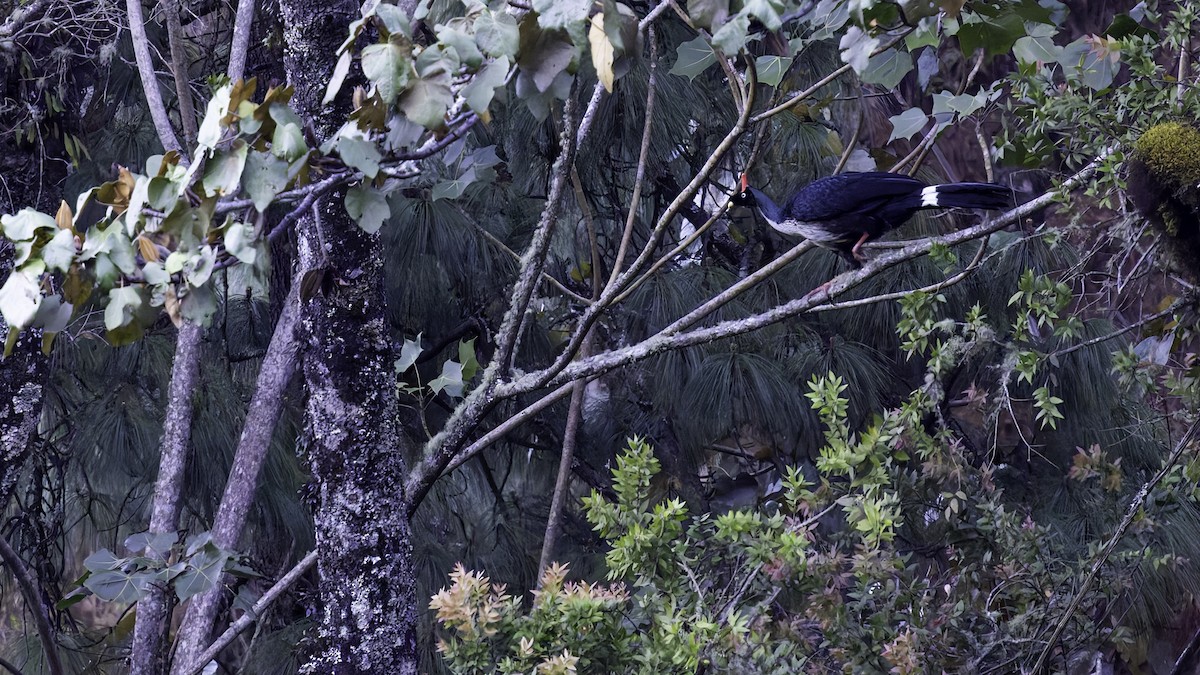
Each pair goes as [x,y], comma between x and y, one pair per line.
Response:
[845,211]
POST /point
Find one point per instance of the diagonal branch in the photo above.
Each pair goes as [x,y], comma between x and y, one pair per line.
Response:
[145,66]
[663,342]
[40,619]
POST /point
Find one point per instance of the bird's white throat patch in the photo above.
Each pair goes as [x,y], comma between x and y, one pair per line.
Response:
[929,196]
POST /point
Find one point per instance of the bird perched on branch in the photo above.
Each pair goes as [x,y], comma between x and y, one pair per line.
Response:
[845,211]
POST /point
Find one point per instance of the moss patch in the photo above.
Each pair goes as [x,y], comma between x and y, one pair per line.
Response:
[1172,151]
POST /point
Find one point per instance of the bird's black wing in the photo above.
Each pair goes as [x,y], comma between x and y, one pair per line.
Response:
[847,194]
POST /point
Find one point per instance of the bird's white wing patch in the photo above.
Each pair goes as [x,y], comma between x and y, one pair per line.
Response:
[929,196]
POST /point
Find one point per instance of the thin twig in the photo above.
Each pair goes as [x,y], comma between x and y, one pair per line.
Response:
[32,601]
[244,621]
[643,157]
[1135,505]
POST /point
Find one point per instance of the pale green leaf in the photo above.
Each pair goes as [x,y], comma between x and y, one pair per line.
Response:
[561,13]
[199,266]
[59,252]
[239,242]
[409,353]
[24,225]
[264,177]
[496,34]
[122,303]
[856,47]
[20,297]
[731,37]
[340,70]
[367,207]
[772,68]
[288,141]
[389,68]
[394,20]
[223,172]
[359,153]
[908,123]
[888,68]
[210,129]
[427,100]
[480,91]
[451,380]
[694,57]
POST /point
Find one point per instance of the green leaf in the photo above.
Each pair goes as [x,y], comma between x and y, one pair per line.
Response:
[59,252]
[449,35]
[389,68]
[203,572]
[209,133]
[708,13]
[239,242]
[453,189]
[544,55]
[731,37]
[450,380]
[340,70]
[359,153]
[288,141]
[908,123]
[20,297]
[115,586]
[466,356]
[765,11]
[496,34]
[888,68]
[199,266]
[367,207]
[25,224]
[561,13]
[394,20]
[158,543]
[694,57]
[122,303]
[155,274]
[427,100]
[1036,50]
[856,47]
[480,91]
[224,171]
[264,177]
[409,353]
[199,304]
[771,69]
[995,35]
[102,561]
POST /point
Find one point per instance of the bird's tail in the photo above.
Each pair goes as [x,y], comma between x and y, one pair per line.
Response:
[966,196]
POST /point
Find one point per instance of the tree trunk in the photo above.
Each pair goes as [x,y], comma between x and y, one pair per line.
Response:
[367,587]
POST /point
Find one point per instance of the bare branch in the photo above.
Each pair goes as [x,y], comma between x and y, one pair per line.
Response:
[179,71]
[32,601]
[276,372]
[240,43]
[148,654]
[506,426]
[246,620]
[145,66]
[643,157]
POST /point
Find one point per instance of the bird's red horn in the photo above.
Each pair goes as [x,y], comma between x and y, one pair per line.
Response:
[745,183]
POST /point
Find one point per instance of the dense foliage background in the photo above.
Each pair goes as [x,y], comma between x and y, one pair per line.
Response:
[320,310]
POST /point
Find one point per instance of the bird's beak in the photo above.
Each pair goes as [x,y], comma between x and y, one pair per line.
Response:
[745,185]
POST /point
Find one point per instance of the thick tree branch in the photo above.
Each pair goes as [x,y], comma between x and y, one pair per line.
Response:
[145,64]
[662,342]
[179,71]
[33,602]
[148,657]
[276,372]
[239,44]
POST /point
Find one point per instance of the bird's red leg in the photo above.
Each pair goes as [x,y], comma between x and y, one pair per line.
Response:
[856,252]
[818,290]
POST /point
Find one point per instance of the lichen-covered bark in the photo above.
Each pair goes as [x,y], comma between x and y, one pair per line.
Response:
[367,590]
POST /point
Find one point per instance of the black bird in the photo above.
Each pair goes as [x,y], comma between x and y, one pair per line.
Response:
[845,211]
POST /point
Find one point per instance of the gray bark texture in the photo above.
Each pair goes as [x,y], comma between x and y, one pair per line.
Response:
[278,366]
[149,654]
[367,593]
